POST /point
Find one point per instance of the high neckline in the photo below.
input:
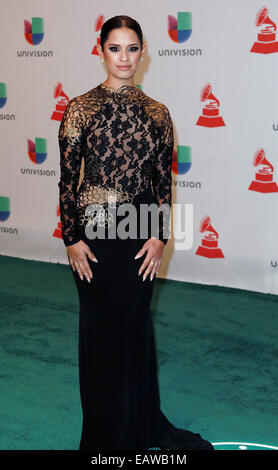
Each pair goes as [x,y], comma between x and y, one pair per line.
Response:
[124,94]
[120,89]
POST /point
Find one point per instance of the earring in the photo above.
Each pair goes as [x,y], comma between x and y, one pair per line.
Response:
[101,60]
[141,58]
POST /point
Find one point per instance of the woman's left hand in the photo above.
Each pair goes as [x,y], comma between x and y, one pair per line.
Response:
[155,248]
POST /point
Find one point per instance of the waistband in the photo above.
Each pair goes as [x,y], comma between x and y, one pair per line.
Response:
[106,216]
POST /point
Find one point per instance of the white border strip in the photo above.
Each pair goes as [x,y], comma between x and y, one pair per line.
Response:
[244,444]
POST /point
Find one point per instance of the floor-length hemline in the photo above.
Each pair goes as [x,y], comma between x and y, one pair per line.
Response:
[118,377]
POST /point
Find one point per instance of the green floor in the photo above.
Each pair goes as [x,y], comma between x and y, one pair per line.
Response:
[217,357]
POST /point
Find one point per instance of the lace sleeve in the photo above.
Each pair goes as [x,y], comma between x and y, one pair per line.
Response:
[70,142]
[162,176]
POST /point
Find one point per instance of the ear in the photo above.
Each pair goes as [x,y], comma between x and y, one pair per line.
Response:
[99,51]
[144,47]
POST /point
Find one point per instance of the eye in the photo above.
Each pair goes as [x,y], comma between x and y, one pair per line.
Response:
[116,49]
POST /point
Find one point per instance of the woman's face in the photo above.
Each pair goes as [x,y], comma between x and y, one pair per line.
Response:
[122,48]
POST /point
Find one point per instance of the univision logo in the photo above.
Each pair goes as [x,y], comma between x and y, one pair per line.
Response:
[180,28]
[3,101]
[4,215]
[181,164]
[179,31]
[34,34]
[3,94]
[4,208]
[37,152]
[181,160]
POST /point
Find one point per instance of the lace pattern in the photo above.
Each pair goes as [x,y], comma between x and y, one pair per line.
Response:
[126,140]
[96,201]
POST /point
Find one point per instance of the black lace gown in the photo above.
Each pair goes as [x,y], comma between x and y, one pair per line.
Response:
[126,140]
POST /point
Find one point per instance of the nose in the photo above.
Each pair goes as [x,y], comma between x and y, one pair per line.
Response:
[123,56]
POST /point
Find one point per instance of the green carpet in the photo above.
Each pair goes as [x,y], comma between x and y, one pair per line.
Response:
[217,359]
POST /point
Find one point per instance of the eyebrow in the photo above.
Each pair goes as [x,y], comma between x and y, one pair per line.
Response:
[114,44]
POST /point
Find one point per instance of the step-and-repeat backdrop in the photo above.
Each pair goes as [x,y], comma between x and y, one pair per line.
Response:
[214,65]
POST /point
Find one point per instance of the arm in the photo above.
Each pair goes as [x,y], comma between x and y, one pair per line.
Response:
[162,176]
[70,142]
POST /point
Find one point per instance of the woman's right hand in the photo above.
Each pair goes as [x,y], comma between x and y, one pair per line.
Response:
[78,259]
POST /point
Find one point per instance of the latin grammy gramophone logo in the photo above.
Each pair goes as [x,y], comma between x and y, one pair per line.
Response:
[62,103]
[34,32]
[98,25]
[181,160]
[58,230]
[180,28]
[210,112]
[266,41]
[209,245]
[263,182]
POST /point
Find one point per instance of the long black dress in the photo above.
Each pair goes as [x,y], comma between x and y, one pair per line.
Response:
[126,140]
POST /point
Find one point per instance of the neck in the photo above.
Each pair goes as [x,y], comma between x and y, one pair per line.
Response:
[118,84]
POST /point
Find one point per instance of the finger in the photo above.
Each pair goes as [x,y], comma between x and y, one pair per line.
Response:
[91,255]
[72,264]
[148,270]
[85,269]
[87,272]
[158,266]
[145,263]
[82,269]
[138,255]
[78,270]
[154,271]
[141,252]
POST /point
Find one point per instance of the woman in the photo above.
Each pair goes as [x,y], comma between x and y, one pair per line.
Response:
[126,140]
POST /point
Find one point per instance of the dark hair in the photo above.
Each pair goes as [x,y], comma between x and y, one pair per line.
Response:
[118,22]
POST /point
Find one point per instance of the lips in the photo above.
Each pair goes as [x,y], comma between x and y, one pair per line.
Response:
[124,67]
